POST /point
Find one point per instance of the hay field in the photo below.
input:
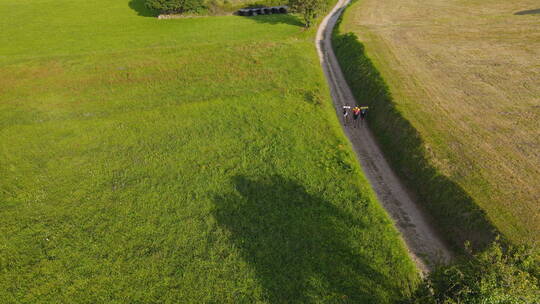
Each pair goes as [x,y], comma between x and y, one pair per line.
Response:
[466,74]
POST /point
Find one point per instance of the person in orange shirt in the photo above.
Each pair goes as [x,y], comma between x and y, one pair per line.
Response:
[356,114]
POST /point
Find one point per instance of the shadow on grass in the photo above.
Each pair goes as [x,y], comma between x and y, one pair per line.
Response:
[529,12]
[277,19]
[298,244]
[453,212]
[141,9]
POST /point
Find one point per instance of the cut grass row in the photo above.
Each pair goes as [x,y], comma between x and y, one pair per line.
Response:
[195,160]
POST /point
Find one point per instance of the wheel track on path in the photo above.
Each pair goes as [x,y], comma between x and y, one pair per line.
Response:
[424,246]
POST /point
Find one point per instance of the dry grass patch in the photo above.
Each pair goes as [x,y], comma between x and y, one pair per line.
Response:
[467,76]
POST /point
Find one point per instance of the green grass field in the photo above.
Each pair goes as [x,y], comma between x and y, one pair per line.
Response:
[195,160]
[462,89]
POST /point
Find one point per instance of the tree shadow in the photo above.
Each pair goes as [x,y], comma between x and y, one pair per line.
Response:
[298,244]
[141,9]
[277,19]
[529,12]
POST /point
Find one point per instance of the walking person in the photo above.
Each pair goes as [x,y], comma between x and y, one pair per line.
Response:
[346,110]
[356,114]
[363,114]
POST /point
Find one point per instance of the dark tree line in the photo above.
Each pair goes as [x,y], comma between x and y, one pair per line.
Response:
[175,6]
[309,10]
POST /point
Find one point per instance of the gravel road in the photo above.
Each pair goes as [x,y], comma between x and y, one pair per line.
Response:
[422,242]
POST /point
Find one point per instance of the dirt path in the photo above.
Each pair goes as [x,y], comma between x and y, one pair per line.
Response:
[425,248]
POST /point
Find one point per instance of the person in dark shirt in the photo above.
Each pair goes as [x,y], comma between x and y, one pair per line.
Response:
[363,114]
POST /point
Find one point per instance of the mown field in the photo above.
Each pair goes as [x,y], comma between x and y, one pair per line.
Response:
[174,161]
[465,75]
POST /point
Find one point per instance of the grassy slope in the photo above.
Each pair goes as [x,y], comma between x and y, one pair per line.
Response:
[193,160]
[465,75]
